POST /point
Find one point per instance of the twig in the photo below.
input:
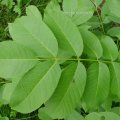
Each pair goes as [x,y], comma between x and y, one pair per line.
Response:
[99,16]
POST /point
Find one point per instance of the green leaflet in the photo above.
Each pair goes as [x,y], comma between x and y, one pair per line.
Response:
[15,61]
[63,29]
[79,10]
[53,5]
[68,92]
[33,11]
[92,45]
[107,104]
[116,110]
[35,87]
[97,86]
[103,116]
[93,22]
[75,116]
[114,32]
[32,32]
[110,51]
[115,79]
[43,115]
[110,10]
[70,7]
[118,56]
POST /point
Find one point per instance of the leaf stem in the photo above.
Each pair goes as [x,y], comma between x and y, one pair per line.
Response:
[68,59]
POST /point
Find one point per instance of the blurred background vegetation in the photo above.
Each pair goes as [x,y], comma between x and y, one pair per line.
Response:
[10,9]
